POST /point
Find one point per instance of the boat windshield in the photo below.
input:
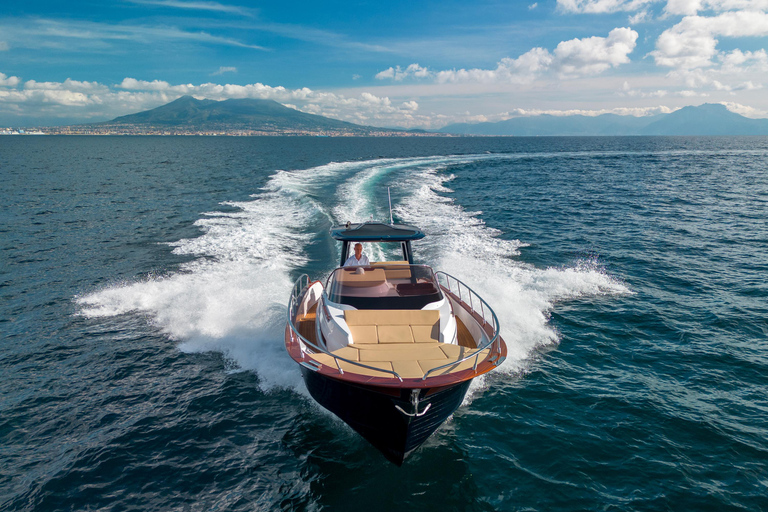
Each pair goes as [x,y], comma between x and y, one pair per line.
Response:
[383,286]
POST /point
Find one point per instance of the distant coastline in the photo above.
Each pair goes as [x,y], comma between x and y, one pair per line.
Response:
[143,131]
[188,116]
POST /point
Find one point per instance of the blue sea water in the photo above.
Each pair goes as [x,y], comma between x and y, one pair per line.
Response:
[143,284]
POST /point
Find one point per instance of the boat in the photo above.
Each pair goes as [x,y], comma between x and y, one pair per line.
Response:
[392,346]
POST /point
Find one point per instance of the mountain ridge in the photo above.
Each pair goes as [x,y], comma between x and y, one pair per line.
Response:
[188,114]
[705,119]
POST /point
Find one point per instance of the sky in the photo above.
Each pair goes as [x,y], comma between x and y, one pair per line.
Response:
[394,63]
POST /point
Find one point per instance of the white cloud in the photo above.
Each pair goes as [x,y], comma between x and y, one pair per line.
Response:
[700,85]
[743,86]
[520,70]
[683,6]
[472,75]
[588,56]
[132,84]
[692,43]
[318,36]
[533,6]
[529,64]
[691,7]
[594,55]
[694,78]
[627,90]
[92,100]
[196,6]
[746,110]
[729,72]
[387,73]
[640,17]
[737,61]
[87,36]
[224,69]
[4,46]
[8,81]
[601,6]
[672,7]
[398,74]
[68,85]
[622,111]
[372,99]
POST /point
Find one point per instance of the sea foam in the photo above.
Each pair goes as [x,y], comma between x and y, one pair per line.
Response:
[231,298]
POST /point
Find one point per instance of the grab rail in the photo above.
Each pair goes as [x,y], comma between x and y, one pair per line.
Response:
[299,286]
[299,289]
[473,298]
[469,293]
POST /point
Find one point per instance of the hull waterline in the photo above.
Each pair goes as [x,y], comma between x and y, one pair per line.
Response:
[394,420]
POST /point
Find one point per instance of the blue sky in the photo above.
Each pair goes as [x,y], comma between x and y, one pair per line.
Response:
[396,63]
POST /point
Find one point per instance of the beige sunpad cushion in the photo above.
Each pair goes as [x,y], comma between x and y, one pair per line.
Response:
[369,278]
[391,316]
[426,333]
[354,368]
[394,334]
[465,365]
[408,369]
[401,352]
[392,271]
[364,334]
[393,326]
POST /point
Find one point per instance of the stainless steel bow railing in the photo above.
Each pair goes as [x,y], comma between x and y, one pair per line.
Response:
[299,287]
[473,300]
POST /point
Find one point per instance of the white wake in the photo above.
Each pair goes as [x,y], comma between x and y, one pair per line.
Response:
[232,298]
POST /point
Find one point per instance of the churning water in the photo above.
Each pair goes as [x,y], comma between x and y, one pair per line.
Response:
[145,280]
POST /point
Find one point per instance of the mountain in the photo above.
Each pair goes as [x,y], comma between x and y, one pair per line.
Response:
[707,119]
[187,114]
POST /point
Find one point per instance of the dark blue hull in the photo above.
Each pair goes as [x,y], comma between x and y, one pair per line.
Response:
[373,411]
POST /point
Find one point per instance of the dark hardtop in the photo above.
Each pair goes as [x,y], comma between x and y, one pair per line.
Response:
[376,232]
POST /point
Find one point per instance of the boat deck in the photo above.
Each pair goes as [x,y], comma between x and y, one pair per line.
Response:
[408,360]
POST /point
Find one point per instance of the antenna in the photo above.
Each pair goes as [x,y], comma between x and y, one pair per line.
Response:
[389,196]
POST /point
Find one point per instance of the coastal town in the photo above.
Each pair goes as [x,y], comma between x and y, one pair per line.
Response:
[208,132]
[21,131]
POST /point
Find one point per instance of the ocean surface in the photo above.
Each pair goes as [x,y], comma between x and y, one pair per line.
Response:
[143,290]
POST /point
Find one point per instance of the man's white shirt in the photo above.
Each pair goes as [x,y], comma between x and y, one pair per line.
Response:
[354,262]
